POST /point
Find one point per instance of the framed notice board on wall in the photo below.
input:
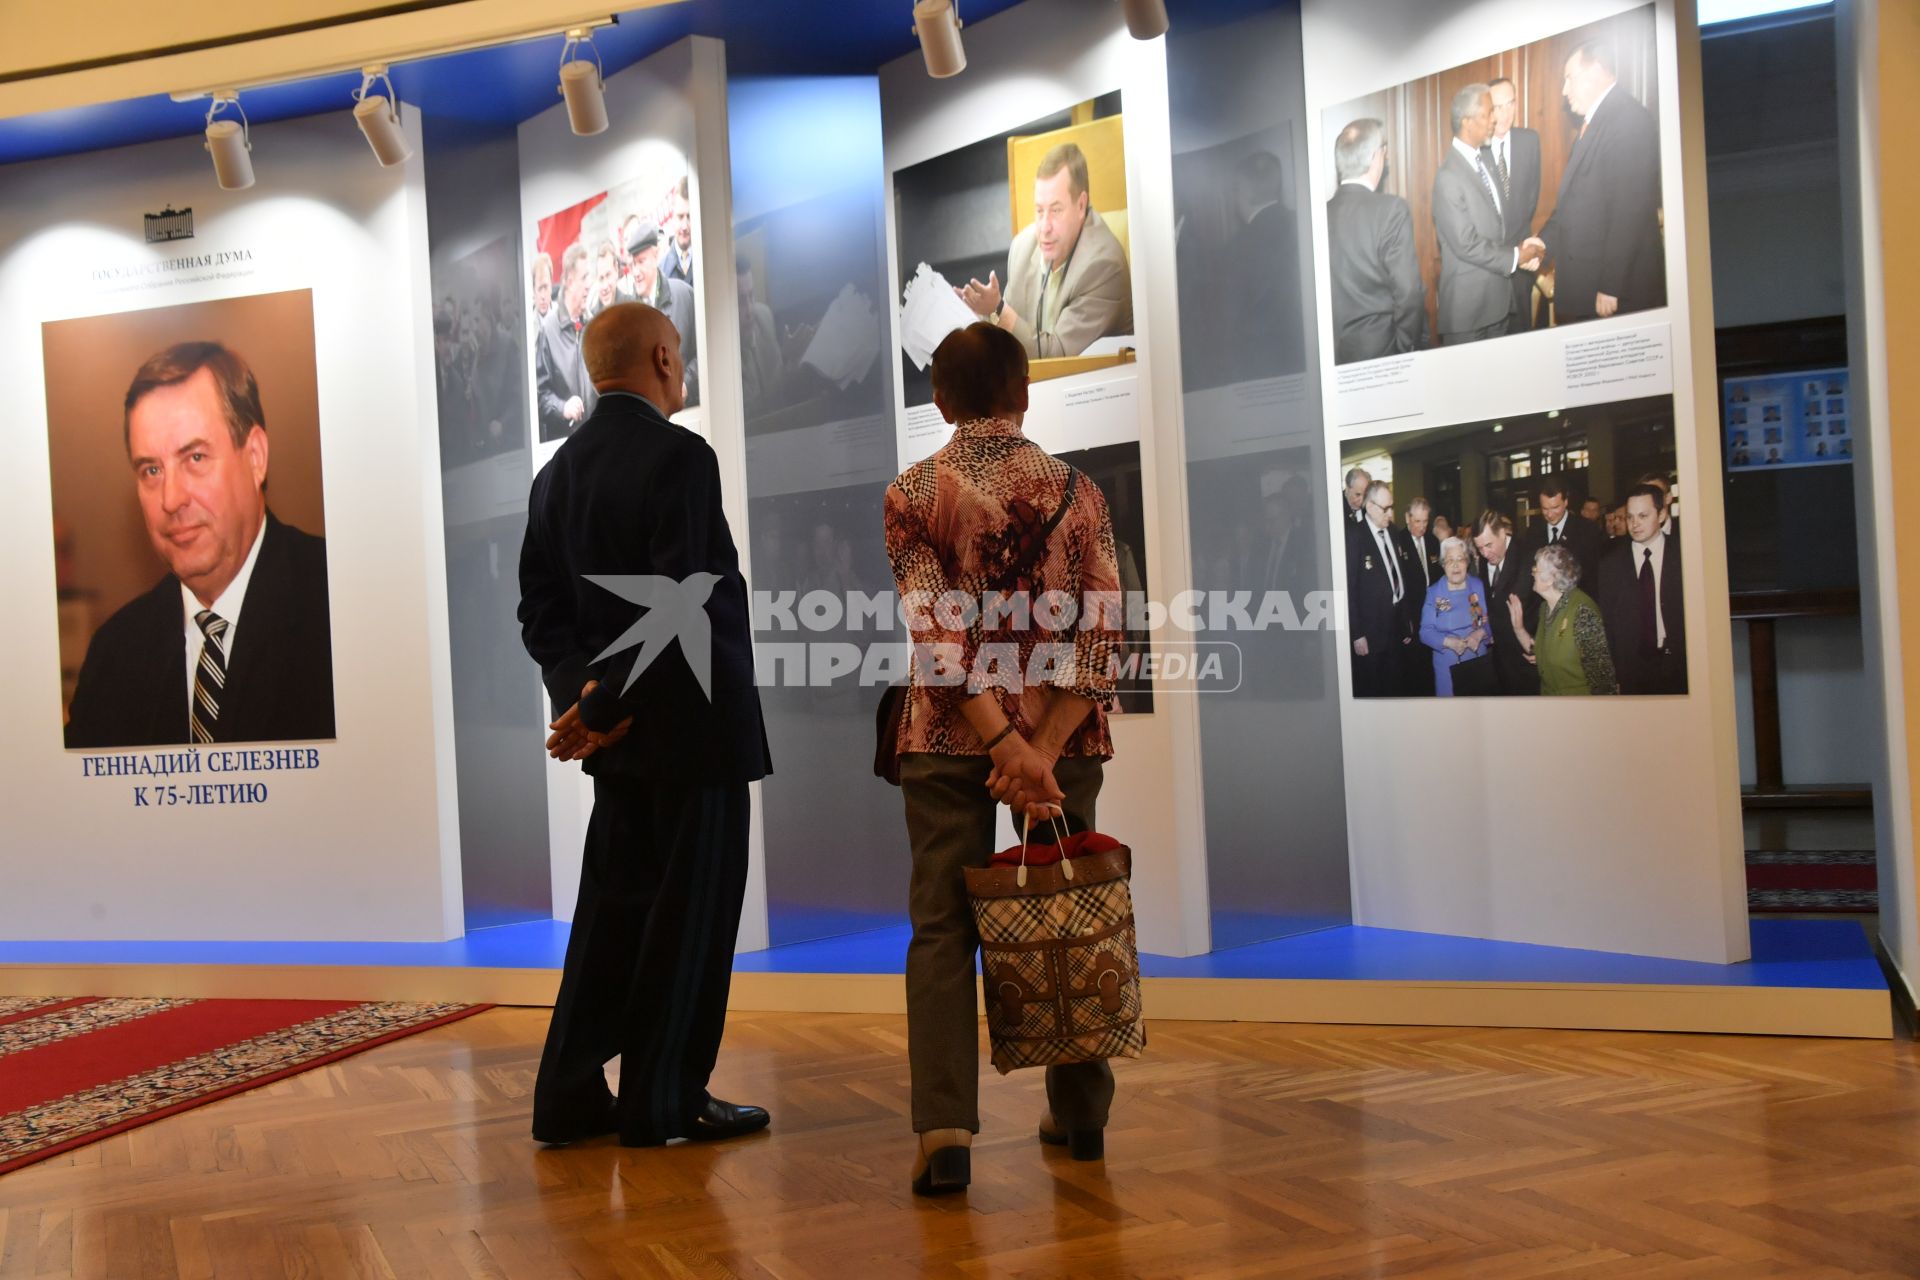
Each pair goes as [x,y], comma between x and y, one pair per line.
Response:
[1786,435]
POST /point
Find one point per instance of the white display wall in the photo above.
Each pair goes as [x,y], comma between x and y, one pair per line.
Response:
[1033,61]
[362,845]
[671,107]
[1603,823]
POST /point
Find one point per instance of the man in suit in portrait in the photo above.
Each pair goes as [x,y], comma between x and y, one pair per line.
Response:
[1264,290]
[1068,283]
[1669,522]
[1424,546]
[1507,572]
[1380,600]
[1604,235]
[1640,597]
[1353,493]
[181,663]
[677,262]
[565,393]
[1478,258]
[1513,153]
[671,735]
[664,293]
[1379,302]
[1423,562]
[1559,524]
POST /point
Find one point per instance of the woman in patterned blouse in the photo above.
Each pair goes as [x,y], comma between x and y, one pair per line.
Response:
[1571,650]
[1001,709]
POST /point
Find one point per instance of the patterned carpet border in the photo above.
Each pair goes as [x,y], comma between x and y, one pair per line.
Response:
[51,1128]
[1799,881]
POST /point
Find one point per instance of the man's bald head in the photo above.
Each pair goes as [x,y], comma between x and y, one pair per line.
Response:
[634,347]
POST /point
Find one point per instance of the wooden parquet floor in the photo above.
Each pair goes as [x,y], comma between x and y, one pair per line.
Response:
[1236,1150]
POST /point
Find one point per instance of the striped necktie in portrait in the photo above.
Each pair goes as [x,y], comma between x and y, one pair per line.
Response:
[209,677]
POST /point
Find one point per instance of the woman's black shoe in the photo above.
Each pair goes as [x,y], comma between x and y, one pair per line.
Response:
[948,1169]
[1081,1144]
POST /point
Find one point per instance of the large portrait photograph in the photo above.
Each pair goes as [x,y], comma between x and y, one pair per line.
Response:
[1026,229]
[1535,555]
[1517,192]
[190,524]
[630,243]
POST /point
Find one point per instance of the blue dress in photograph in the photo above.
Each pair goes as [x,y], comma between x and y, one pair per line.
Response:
[1454,611]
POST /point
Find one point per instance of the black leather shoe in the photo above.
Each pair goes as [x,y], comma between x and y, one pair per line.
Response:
[717,1120]
[590,1122]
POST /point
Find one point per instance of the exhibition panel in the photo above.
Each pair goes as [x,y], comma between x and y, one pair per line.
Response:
[629,213]
[486,465]
[809,271]
[1275,816]
[1515,336]
[972,164]
[239,419]
[1459,249]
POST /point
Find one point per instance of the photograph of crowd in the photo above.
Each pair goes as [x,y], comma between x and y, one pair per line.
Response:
[478,357]
[184,445]
[1538,554]
[1519,191]
[1027,229]
[1810,407]
[633,242]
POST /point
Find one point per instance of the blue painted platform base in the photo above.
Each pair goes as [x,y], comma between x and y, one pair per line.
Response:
[1833,954]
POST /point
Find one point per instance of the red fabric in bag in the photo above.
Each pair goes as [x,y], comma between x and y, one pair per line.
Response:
[1080,844]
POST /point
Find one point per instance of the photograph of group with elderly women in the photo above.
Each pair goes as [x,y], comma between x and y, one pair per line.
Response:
[1536,555]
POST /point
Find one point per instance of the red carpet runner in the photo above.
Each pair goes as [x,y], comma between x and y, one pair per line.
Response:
[75,1070]
[1835,881]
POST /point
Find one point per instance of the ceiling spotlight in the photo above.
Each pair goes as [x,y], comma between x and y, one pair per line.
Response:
[584,84]
[1146,18]
[229,143]
[937,23]
[378,116]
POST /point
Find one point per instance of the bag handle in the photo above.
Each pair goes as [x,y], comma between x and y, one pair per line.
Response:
[1026,826]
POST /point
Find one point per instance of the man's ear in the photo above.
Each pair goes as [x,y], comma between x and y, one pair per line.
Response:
[257,452]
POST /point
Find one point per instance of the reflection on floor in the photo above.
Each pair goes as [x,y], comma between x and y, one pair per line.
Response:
[1234,1150]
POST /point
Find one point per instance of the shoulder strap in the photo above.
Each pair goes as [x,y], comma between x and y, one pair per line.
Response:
[1066,501]
[1039,552]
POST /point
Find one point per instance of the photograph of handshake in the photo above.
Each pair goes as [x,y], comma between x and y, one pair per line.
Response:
[1532,250]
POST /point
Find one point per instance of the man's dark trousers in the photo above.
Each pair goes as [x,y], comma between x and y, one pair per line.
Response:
[651,956]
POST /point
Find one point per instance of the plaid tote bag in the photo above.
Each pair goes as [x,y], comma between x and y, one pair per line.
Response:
[1057,952]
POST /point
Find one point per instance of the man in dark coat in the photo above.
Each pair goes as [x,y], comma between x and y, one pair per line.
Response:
[1641,597]
[1558,523]
[660,702]
[565,392]
[1513,155]
[181,663]
[1379,302]
[1604,236]
[1381,604]
[1508,572]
